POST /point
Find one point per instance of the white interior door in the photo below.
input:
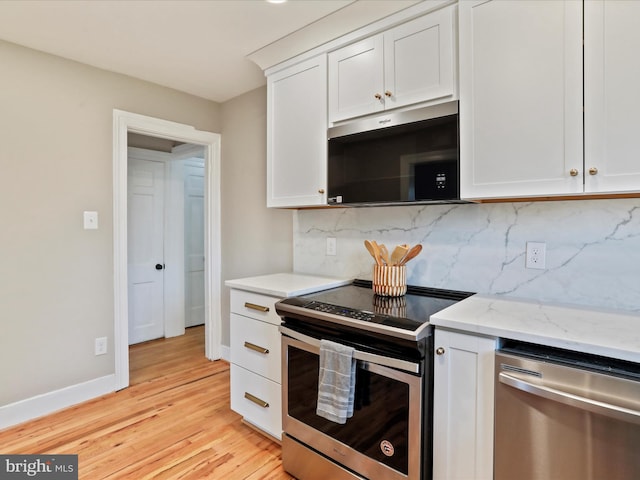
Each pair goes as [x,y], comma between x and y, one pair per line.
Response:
[194,241]
[145,209]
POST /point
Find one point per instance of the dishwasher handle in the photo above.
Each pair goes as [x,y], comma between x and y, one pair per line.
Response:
[590,405]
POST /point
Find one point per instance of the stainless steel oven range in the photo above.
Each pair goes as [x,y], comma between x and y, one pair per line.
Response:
[389,435]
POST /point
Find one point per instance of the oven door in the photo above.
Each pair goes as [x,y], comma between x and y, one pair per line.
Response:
[383,439]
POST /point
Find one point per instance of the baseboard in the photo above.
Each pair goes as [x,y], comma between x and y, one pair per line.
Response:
[225,352]
[50,402]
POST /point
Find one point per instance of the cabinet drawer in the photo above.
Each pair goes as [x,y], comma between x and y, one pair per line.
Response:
[254,305]
[255,345]
[257,399]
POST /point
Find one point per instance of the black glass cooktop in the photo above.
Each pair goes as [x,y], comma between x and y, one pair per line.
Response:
[357,301]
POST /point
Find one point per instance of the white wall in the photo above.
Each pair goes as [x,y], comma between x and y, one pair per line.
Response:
[56,286]
[592,257]
[255,240]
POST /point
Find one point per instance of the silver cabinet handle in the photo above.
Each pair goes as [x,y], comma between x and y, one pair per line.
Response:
[256,400]
[253,306]
[440,351]
[594,406]
[256,348]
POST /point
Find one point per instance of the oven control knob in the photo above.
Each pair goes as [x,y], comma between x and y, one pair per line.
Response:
[440,351]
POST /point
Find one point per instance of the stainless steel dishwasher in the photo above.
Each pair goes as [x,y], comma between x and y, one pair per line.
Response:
[562,415]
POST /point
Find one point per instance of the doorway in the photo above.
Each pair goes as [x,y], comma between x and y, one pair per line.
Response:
[165,244]
[125,123]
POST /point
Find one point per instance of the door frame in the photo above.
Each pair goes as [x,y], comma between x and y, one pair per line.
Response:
[127,122]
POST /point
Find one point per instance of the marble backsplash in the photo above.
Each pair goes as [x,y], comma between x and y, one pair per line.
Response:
[592,247]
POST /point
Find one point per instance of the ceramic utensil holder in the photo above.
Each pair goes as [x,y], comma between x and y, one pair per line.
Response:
[390,280]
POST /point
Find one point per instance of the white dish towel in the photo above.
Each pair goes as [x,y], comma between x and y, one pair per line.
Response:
[336,381]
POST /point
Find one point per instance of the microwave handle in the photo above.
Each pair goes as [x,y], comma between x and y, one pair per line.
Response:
[358,355]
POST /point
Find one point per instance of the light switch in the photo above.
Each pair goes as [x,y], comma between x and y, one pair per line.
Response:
[90,220]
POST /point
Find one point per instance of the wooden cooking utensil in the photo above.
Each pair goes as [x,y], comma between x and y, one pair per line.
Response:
[398,254]
[384,253]
[376,252]
[370,249]
[415,250]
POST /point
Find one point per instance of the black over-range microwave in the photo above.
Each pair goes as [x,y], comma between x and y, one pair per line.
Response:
[411,156]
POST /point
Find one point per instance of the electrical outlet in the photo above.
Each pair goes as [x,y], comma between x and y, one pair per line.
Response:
[536,255]
[101,346]
[331,246]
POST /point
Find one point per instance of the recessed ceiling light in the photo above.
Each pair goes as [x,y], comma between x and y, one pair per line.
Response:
[276,1]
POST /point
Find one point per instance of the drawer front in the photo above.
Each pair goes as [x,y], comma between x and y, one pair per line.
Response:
[255,345]
[254,305]
[257,399]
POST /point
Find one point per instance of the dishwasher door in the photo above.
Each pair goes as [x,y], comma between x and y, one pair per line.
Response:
[559,419]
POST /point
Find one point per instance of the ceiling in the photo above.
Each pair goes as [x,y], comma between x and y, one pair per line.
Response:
[202,47]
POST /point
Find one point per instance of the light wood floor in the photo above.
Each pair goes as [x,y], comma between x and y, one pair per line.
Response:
[173,422]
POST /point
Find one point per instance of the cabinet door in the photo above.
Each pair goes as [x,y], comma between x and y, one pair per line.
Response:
[463,407]
[356,80]
[520,98]
[297,135]
[419,60]
[612,97]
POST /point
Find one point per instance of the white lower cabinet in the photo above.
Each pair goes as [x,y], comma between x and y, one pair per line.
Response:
[257,399]
[255,361]
[463,406]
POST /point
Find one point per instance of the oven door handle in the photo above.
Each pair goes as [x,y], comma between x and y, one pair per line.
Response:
[363,356]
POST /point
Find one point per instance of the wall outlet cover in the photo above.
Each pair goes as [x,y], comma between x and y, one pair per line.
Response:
[332,246]
[101,346]
[536,255]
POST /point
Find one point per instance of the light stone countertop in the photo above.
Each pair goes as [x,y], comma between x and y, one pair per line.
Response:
[603,332]
[286,285]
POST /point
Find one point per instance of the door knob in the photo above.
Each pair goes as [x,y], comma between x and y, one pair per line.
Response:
[159,266]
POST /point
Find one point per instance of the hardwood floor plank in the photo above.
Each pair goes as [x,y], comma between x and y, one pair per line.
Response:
[173,422]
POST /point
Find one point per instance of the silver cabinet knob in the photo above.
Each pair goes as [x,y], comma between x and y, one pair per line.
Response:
[593,171]
[378,96]
[440,351]
[388,93]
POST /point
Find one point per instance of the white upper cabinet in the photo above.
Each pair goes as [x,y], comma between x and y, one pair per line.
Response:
[520,98]
[612,96]
[356,79]
[408,64]
[297,135]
